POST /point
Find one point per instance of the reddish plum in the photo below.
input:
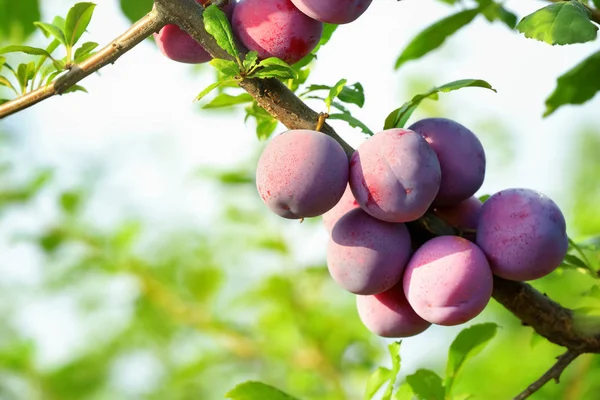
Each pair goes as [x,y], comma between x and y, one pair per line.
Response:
[464,215]
[388,314]
[302,173]
[448,281]
[276,28]
[461,157]
[395,175]
[366,255]
[346,203]
[523,234]
[333,11]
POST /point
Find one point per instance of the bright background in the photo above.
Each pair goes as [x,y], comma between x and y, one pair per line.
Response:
[97,303]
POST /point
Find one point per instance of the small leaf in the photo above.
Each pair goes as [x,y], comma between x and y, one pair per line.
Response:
[433,36]
[257,391]
[355,123]
[70,202]
[273,67]
[334,92]
[394,350]
[575,261]
[83,52]
[24,49]
[229,69]
[576,86]
[53,30]
[217,25]
[211,87]
[226,100]
[5,82]
[376,381]
[2,101]
[76,88]
[353,94]
[561,23]
[250,60]
[426,384]
[77,21]
[265,127]
[399,117]
[467,344]
[404,392]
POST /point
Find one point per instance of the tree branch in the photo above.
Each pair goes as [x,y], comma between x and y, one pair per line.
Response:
[553,373]
[139,31]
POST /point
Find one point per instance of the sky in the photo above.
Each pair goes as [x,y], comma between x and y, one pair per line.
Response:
[139,136]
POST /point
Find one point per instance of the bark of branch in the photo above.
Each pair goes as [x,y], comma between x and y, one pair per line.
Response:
[139,31]
[553,373]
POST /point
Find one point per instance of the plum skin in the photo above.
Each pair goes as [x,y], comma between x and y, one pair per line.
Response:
[276,28]
[395,175]
[366,255]
[346,203]
[523,234]
[461,156]
[448,281]
[464,215]
[302,174]
[389,314]
[178,45]
[333,11]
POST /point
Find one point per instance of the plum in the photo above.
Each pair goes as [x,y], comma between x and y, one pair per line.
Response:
[179,46]
[523,234]
[461,157]
[333,11]
[346,203]
[464,215]
[395,175]
[388,314]
[302,173]
[366,255]
[276,28]
[448,281]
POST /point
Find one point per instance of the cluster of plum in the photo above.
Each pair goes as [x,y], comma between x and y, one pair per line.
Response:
[369,203]
[287,29]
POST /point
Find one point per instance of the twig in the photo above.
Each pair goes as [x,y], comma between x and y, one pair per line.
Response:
[139,31]
[553,373]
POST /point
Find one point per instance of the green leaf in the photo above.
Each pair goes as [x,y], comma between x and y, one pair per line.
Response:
[76,88]
[84,51]
[217,25]
[404,392]
[334,92]
[52,30]
[78,19]
[136,9]
[273,67]
[5,82]
[496,12]
[561,23]
[433,36]
[376,381]
[24,49]
[252,390]
[211,87]
[2,101]
[399,117]
[25,73]
[575,261]
[426,384]
[576,86]
[353,94]
[229,69]
[394,350]
[250,60]
[227,100]
[17,18]
[353,122]
[467,344]
[70,202]
[265,127]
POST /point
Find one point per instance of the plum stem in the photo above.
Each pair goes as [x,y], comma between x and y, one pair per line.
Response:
[321,121]
[554,372]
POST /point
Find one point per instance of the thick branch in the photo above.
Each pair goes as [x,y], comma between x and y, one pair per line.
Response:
[149,24]
[553,373]
[270,94]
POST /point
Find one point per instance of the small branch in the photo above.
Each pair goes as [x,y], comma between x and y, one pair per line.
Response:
[553,373]
[149,24]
